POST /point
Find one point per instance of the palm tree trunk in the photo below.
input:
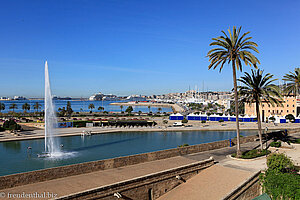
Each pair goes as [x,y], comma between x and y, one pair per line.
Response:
[238,148]
[259,124]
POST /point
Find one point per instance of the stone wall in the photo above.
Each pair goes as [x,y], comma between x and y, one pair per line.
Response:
[81,168]
[146,187]
[248,190]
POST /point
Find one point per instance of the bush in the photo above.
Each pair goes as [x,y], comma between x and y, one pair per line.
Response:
[280,180]
[80,123]
[184,121]
[203,121]
[279,162]
[11,125]
[221,120]
[253,153]
[2,129]
[296,141]
[275,144]
[184,145]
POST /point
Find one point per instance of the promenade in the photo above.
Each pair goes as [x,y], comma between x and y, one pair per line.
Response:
[211,183]
[194,126]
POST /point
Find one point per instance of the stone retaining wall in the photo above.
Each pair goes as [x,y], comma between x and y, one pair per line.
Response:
[81,168]
[248,190]
[146,187]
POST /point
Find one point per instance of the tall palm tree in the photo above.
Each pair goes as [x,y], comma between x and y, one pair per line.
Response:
[25,107]
[13,106]
[149,107]
[37,106]
[294,82]
[121,106]
[258,88]
[233,49]
[91,106]
[2,106]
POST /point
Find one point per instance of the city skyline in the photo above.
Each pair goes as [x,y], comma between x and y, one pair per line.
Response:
[135,47]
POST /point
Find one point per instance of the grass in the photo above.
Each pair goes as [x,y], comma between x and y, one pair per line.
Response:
[253,153]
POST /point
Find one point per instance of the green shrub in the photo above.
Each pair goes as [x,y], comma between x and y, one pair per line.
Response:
[184,121]
[203,121]
[275,144]
[184,145]
[11,125]
[297,141]
[253,153]
[221,120]
[280,181]
[2,129]
[279,162]
[80,123]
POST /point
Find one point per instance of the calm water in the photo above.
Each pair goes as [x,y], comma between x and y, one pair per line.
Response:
[15,158]
[78,105]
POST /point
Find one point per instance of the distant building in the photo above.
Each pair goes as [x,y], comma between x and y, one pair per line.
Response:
[290,106]
[4,98]
[19,98]
[136,98]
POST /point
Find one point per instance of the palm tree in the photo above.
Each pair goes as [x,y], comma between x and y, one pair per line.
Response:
[37,106]
[294,82]
[149,107]
[121,106]
[13,106]
[2,106]
[234,49]
[25,107]
[91,106]
[258,88]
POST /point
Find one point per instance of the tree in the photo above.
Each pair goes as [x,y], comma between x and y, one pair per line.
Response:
[290,117]
[100,108]
[91,106]
[129,109]
[62,111]
[37,106]
[69,109]
[25,107]
[121,106]
[159,110]
[13,106]
[259,88]
[140,112]
[2,106]
[294,82]
[235,50]
[149,107]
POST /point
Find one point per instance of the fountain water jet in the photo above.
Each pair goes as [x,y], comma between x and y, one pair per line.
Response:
[51,143]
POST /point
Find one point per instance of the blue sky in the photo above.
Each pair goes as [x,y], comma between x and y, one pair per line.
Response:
[135,46]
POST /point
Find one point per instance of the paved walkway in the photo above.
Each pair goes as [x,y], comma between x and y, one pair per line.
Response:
[212,183]
[218,181]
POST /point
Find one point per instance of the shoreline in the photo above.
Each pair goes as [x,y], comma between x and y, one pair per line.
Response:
[99,130]
[175,107]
